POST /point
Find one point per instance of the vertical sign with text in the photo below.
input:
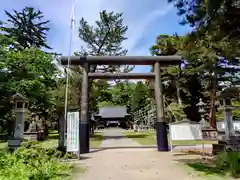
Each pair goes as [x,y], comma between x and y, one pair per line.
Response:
[73,132]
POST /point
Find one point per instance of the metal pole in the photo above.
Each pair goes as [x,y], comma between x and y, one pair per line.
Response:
[84,122]
[161,126]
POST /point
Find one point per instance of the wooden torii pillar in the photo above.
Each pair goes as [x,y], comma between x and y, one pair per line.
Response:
[156,61]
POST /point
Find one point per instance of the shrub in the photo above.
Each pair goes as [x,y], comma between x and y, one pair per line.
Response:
[229,161]
[32,162]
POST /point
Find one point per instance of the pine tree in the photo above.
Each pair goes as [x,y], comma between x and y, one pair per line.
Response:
[27,28]
[105,38]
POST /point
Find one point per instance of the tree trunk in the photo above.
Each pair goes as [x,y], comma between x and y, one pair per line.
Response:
[212,120]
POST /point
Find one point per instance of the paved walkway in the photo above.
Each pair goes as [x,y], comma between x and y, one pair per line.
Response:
[121,158]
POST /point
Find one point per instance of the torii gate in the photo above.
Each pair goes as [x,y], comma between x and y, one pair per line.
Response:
[156,61]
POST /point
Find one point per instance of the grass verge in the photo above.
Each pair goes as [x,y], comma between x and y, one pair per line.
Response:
[3,144]
[223,166]
[52,141]
[96,140]
[149,138]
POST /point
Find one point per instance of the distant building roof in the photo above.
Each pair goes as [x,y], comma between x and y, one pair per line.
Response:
[113,112]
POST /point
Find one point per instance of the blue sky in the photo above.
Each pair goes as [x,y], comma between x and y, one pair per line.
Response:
[146,19]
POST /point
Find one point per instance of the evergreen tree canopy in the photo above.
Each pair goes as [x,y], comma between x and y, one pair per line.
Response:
[27,28]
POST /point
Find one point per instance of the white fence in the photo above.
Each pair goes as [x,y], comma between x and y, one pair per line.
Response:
[221,125]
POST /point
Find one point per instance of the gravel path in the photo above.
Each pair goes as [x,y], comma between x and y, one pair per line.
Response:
[121,158]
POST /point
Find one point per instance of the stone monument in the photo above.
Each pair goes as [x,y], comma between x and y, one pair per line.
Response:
[229,141]
[20,103]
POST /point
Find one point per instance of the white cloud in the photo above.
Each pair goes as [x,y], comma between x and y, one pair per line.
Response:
[138,15]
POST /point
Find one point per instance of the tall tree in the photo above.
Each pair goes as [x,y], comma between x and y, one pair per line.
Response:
[29,72]
[214,61]
[27,27]
[105,38]
[170,45]
[221,16]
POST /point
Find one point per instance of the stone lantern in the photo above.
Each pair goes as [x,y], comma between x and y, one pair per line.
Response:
[226,101]
[201,109]
[20,106]
[231,139]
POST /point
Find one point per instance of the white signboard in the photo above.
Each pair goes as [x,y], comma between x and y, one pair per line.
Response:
[73,132]
[185,131]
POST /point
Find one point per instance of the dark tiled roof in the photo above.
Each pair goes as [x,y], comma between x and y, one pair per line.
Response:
[113,112]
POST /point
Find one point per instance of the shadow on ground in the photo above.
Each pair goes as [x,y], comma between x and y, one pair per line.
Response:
[144,147]
[137,136]
[97,136]
[122,147]
[128,136]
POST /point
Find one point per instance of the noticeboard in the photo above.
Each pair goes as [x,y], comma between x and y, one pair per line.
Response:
[73,132]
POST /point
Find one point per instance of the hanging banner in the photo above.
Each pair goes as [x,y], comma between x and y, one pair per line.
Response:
[73,132]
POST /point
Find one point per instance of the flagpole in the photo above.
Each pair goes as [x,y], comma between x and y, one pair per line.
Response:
[68,66]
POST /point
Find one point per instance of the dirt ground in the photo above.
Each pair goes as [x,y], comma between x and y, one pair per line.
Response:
[121,158]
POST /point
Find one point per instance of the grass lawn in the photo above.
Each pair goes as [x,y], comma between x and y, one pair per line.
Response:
[52,141]
[3,144]
[206,168]
[96,140]
[149,138]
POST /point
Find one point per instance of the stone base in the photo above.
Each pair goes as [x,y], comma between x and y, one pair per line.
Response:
[217,148]
[31,135]
[227,144]
[13,144]
[39,136]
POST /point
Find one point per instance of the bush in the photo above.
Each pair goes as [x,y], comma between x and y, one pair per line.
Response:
[31,162]
[229,161]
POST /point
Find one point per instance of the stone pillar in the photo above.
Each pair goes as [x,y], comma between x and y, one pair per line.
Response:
[19,124]
[62,129]
[18,130]
[161,125]
[84,120]
[229,129]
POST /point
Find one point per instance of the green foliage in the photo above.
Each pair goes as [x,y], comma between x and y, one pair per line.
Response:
[237,111]
[31,73]
[106,38]
[219,16]
[139,97]
[32,162]
[175,112]
[120,94]
[27,28]
[180,85]
[229,162]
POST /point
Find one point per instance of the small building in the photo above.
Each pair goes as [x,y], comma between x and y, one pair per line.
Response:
[113,116]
